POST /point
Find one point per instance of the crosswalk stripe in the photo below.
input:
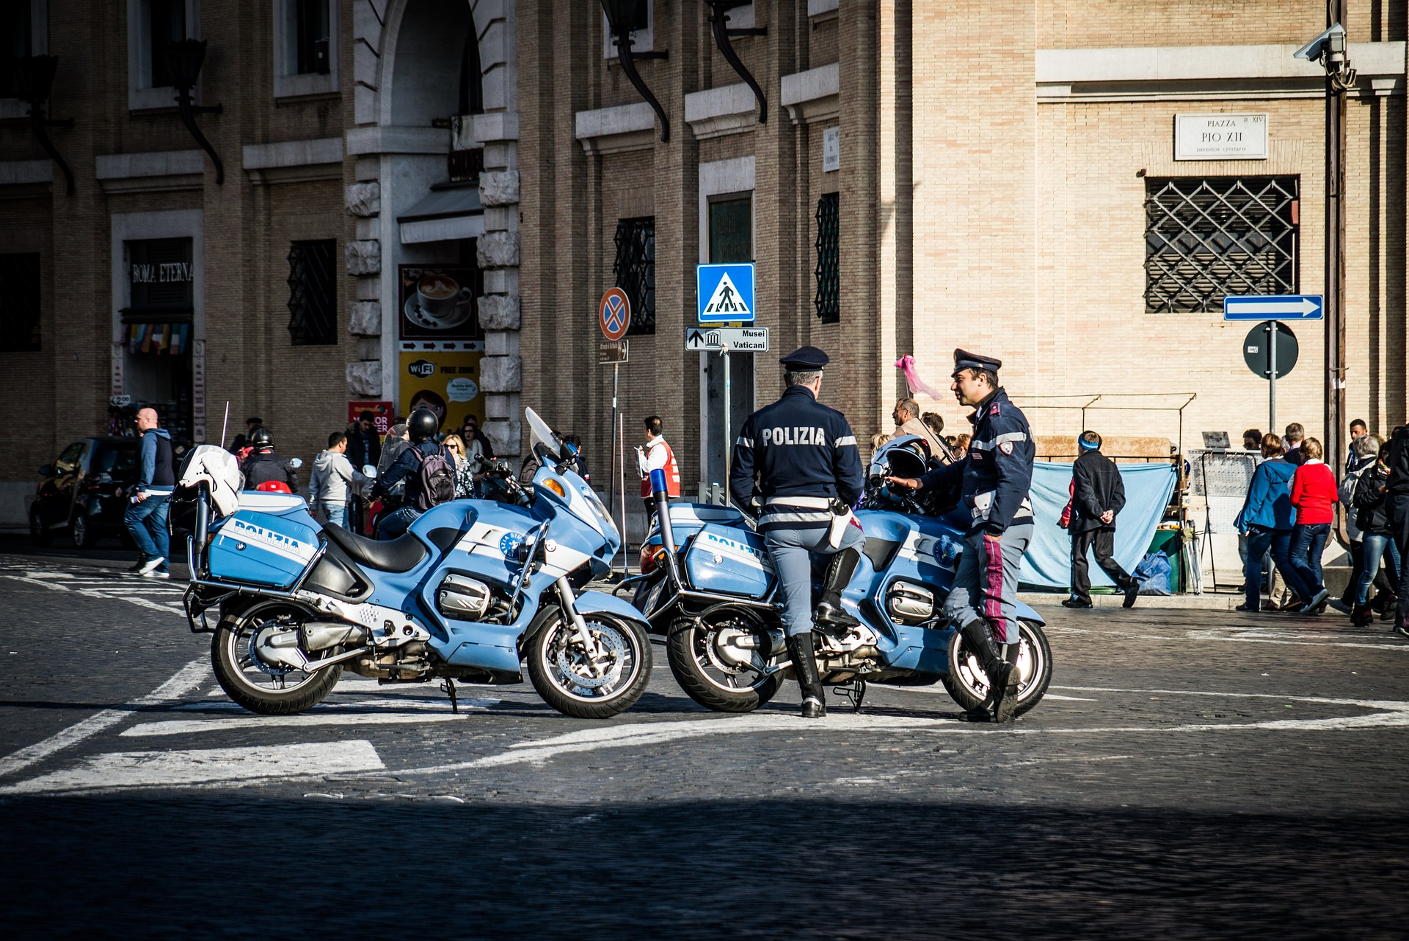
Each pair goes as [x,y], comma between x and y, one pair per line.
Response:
[177,768]
[308,720]
[186,679]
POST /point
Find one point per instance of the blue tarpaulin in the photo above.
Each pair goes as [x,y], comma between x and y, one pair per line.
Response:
[1048,560]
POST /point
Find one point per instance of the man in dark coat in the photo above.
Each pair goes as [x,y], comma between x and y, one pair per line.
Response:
[1098,495]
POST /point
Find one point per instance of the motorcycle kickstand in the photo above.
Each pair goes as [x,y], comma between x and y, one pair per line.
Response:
[448,686]
[853,692]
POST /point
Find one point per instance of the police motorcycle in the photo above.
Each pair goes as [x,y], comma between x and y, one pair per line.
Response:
[712,591]
[474,588]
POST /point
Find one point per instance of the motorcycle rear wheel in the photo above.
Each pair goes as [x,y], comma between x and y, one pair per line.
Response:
[694,657]
[260,688]
[567,676]
[968,684]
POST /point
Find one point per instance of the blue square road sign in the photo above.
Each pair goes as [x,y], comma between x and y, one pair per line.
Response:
[724,293]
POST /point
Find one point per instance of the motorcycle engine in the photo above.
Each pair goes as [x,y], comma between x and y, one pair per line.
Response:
[909,603]
[462,598]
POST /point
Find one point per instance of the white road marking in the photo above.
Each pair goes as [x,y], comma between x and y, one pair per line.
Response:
[94,593]
[186,679]
[1048,696]
[308,720]
[178,768]
[1386,714]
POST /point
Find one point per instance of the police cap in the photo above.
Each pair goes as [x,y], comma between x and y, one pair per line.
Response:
[963,359]
[805,359]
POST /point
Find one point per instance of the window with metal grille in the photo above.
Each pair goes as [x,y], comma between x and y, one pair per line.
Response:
[313,293]
[828,270]
[1207,237]
[19,303]
[635,270]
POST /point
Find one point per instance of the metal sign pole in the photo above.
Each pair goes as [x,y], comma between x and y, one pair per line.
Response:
[616,443]
[1272,376]
[728,407]
[621,483]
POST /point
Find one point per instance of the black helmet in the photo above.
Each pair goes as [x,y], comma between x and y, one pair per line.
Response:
[261,438]
[422,424]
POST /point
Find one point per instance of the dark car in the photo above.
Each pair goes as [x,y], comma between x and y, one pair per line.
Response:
[84,492]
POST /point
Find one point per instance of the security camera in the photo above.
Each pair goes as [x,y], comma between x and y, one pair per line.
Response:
[1330,43]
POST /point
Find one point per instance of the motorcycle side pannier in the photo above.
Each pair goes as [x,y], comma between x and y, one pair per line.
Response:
[262,549]
[730,561]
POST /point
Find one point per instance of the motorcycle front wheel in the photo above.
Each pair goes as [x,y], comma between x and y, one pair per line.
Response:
[718,659]
[968,684]
[590,683]
[268,689]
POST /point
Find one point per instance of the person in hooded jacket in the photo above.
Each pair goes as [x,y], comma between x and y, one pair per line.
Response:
[328,490]
[1267,519]
[265,465]
[145,517]
[1377,533]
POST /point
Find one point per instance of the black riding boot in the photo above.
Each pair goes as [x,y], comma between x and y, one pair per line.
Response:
[814,700]
[1005,702]
[830,613]
[990,656]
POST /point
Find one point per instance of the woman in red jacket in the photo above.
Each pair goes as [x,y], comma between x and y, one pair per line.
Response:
[1314,496]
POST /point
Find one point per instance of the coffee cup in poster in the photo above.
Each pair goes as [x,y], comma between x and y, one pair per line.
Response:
[438,295]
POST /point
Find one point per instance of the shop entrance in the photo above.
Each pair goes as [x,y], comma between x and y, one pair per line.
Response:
[157,332]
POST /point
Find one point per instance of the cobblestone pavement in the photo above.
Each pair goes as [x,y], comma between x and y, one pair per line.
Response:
[1192,773]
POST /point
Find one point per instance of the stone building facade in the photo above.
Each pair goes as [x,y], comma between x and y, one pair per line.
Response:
[360,142]
[1005,179]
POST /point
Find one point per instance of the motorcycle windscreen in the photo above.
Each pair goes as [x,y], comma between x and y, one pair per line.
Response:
[729,561]
[260,549]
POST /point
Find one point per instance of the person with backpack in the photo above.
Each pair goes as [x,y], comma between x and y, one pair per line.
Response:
[1377,532]
[426,468]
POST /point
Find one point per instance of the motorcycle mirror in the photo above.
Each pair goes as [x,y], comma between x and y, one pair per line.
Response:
[541,434]
[295,462]
[369,471]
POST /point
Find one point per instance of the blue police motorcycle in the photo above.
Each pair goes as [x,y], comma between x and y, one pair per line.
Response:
[472,589]
[716,600]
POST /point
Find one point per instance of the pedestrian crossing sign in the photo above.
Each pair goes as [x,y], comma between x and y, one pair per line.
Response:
[724,293]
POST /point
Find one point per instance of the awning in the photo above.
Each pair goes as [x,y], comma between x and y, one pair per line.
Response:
[451,211]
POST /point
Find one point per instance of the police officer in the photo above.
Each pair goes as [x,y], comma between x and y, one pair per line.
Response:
[264,464]
[808,472]
[995,476]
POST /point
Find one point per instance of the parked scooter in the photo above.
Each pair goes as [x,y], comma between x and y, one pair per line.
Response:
[472,589]
[713,593]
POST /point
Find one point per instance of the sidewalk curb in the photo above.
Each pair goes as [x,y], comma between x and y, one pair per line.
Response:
[1208,601]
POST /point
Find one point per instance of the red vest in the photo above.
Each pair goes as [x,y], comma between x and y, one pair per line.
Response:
[672,472]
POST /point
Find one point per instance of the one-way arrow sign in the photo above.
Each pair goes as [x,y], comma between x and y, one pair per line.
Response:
[734,339]
[1272,307]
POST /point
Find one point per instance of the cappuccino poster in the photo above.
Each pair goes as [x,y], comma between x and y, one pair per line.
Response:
[439,303]
[441,343]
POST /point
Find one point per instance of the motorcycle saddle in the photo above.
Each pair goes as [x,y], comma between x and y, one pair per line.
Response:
[396,555]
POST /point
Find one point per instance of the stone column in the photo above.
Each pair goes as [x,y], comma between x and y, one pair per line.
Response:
[364,373]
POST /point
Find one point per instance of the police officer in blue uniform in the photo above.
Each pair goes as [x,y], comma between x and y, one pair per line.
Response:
[995,477]
[798,459]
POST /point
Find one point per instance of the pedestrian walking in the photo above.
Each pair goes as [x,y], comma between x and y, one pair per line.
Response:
[1397,496]
[1292,441]
[1372,518]
[1314,496]
[1358,430]
[800,460]
[1266,520]
[656,454]
[364,445]
[995,478]
[1098,496]
[333,481]
[1363,453]
[906,416]
[145,517]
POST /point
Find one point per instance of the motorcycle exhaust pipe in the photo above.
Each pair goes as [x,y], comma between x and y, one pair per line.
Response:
[667,534]
[320,635]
